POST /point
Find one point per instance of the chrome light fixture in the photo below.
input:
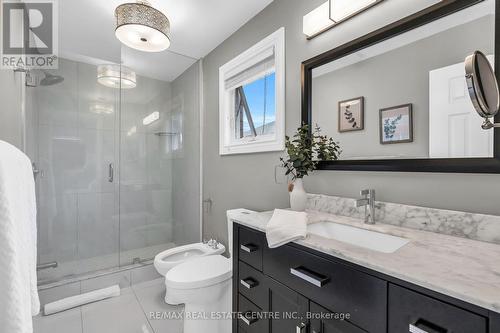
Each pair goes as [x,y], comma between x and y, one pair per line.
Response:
[332,13]
[116,76]
[142,27]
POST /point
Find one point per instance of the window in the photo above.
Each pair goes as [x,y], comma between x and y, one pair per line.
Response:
[252,99]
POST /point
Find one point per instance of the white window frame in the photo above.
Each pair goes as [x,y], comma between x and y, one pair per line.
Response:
[227,143]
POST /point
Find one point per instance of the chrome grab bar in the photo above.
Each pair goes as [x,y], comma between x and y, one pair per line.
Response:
[307,275]
[48,265]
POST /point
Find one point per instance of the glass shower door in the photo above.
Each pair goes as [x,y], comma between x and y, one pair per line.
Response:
[74,138]
[119,167]
[145,171]
[159,156]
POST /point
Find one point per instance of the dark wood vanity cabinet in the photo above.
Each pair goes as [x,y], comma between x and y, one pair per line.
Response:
[324,321]
[295,289]
[289,308]
[411,310]
[331,284]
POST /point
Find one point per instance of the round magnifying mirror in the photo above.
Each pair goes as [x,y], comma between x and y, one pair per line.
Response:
[483,86]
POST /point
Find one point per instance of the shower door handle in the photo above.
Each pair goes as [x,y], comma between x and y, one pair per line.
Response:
[111,173]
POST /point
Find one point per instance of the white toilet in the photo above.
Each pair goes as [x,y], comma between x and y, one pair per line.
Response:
[204,285]
[168,259]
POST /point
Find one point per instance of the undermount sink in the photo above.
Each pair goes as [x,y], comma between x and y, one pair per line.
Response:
[372,240]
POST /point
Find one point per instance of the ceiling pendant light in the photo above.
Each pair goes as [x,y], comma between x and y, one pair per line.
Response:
[142,27]
[116,76]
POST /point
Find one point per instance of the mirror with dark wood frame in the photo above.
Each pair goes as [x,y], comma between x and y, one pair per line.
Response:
[397,98]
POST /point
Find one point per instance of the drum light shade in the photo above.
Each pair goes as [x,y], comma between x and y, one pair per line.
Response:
[116,76]
[142,27]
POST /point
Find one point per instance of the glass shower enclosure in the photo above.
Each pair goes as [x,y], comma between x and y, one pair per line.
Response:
[116,156]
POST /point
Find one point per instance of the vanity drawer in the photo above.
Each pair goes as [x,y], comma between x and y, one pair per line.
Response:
[251,284]
[413,312]
[251,323]
[251,247]
[331,284]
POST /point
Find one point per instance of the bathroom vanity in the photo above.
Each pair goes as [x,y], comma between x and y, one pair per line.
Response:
[433,283]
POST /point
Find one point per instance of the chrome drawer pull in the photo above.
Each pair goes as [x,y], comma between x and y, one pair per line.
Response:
[415,329]
[248,321]
[307,275]
[301,328]
[249,283]
[249,248]
[423,326]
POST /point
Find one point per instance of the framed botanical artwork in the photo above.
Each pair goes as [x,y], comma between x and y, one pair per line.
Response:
[396,124]
[352,115]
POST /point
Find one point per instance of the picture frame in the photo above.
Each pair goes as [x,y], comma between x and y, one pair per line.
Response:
[351,114]
[396,124]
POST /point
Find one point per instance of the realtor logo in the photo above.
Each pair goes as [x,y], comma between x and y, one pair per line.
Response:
[29,34]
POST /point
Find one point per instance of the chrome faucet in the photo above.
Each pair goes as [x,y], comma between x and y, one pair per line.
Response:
[368,201]
[213,244]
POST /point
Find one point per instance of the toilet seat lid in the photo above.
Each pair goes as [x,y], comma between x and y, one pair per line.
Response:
[200,272]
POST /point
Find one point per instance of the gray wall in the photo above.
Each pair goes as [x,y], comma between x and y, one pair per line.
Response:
[398,77]
[248,180]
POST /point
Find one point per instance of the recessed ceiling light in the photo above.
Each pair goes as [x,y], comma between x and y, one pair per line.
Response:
[142,27]
[116,76]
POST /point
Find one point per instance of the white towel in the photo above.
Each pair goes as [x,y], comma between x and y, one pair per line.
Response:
[18,283]
[286,226]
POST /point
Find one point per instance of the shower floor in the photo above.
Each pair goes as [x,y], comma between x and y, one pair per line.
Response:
[128,313]
[65,272]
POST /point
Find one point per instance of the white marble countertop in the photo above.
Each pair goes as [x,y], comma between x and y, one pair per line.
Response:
[465,269]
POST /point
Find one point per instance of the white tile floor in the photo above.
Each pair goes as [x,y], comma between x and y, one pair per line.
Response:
[128,313]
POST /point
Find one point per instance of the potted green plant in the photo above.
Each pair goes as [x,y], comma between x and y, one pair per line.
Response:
[304,151]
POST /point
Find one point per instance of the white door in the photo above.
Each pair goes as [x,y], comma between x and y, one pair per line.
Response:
[454,126]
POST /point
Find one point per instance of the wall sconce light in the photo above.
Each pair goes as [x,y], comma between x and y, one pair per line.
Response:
[332,13]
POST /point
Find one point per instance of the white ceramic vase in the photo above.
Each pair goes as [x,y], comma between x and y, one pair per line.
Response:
[298,196]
